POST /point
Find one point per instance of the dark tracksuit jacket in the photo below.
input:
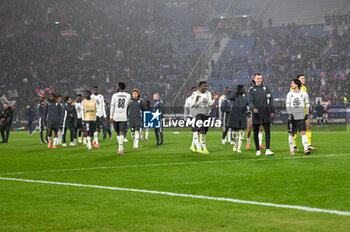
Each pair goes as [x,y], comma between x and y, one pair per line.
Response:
[238,113]
[135,109]
[41,108]
[69,117]
[258,96]
[52,115]
[226,109]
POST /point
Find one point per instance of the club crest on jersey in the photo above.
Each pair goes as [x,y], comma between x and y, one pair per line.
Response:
[296,102]
[151,119]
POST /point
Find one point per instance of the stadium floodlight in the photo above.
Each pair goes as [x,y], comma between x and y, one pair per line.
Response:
[57,22]
[221,17]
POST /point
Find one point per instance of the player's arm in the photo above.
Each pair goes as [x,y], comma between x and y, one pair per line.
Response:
[307,104]
[186,108]
[82,111]
[103,107]
[211,102]
[271,105]
[232,96]
[112,109]
[288,104]
[251,99]
[225,107]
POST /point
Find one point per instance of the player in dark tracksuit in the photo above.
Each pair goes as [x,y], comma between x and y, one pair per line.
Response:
[261,103]
[226,109]
[238,115]
[158,105]
[40,108]
[69,121]
[106,125]
[52,119]
[319,113]
[135,109]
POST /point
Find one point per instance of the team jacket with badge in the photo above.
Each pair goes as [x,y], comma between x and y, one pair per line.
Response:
[79,109]
[7,115]
[53,114]
[135,109]
[100,101]
[119,106]
[238,112]
[225,107]
[89,110]
[204,103]
[296,102]
[159,105]
[41,108]
[70,116]
[258,97]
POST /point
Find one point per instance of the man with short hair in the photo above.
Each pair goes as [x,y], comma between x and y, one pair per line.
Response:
[135,110]
[159,106]
[188,113]
[119,106]
[203,102]
[69,121]
[89,109]
[78,104]
[30,118]
[261,103]
[302,79]
[226,133]
[6,119]
[40,108]
[101,112]
[296,102]
[52,120]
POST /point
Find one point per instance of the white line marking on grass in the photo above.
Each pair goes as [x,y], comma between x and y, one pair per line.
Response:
[303,208]
[175,164]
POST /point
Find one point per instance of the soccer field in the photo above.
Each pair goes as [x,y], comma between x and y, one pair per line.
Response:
[170,188]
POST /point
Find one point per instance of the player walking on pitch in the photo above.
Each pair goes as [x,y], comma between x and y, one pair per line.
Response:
[119,106]
[52,120]
[296,102]
[202,101]
[135,110]
[89,109]
[301,78]
[100,114]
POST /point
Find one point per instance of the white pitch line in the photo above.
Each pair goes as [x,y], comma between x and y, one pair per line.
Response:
[297,207]
[175,164]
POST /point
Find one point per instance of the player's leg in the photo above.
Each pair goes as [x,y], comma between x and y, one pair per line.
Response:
[7,130]
[156,133]
[261,146]
[120,128]
[161,134]
[72,135]
[147,133]
[309,134]
[240,141]
[95,127]
[104,130]
[292,131]
[256,138]
[55,138]
[224,134]
[132,129]
[267,138]
[203,135]
[194,145]
[137,137]
[108,129]
[236,138]
[141,133]
[125,133]
[249,130]
[64,136]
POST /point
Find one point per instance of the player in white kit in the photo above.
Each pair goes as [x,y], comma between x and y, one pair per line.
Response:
[100,114]
[119,107]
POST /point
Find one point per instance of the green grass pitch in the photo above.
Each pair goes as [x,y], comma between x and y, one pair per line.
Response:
[319,181]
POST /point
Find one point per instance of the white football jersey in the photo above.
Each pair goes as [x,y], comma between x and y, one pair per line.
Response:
[100,104]
[204,103]
[79,109]
[296,102]
[119,106]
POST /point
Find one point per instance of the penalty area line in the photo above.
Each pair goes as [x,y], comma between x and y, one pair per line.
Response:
[296,207]
[178,163]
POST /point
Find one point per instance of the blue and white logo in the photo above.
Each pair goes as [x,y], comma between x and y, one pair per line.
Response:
[151,119]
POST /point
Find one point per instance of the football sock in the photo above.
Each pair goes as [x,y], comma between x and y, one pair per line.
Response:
[96,137]
[120,142]
[305,143]
[248,140]
[295,140]
[241,138]
[195,140]
[291,142]
[202,141]
[137,137]
[229,135]
[89,142]
[260,138]
[147,132]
